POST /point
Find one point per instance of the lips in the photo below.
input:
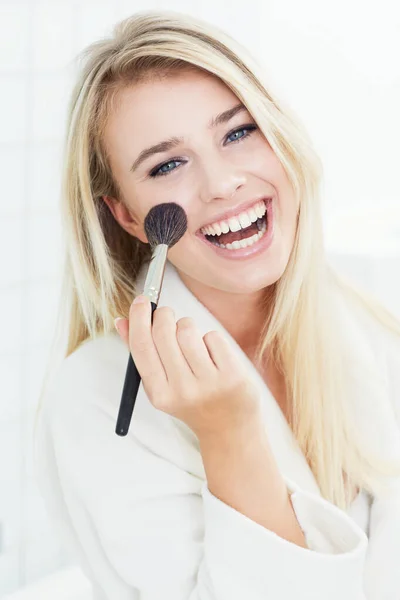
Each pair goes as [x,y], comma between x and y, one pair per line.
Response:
[234,212]
[262,245]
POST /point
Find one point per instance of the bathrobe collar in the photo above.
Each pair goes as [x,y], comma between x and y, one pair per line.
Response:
[363,350]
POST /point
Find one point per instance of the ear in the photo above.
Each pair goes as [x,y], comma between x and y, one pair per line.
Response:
[124,217]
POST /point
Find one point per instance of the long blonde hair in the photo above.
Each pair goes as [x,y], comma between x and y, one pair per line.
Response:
[102,260]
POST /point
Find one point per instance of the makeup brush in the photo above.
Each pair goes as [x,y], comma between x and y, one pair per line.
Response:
[164,225]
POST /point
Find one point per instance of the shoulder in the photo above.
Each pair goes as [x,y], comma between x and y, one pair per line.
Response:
[90,375]
[99,357]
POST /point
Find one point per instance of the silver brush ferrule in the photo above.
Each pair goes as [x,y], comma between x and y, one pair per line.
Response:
[155,273]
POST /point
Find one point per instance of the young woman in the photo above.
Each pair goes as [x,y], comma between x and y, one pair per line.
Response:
[263,455]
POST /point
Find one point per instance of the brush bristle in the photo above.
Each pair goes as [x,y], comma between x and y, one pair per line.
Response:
[165,224]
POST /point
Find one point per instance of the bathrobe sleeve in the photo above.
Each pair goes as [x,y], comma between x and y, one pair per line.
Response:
[142,527]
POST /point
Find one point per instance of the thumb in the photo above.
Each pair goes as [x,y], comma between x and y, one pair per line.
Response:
[122,326]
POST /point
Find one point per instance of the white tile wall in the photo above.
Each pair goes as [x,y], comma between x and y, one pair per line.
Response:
[11,388]
[14,19]
[11,478]
[10,319]
[12,197]
[11,235]
[43,245]
[44,164]
[39,43]
[14,100]
[53,26]
[48,105]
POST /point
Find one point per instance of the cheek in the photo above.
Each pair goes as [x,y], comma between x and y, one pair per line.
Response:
[186,251]
[264,163]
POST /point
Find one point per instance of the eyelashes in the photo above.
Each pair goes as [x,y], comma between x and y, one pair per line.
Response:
[157,172]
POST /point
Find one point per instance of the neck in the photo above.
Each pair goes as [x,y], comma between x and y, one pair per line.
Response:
[242,315]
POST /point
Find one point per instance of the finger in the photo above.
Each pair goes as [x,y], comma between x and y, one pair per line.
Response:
[143,349]
[164,336]
[122,327]
[193,348]
[221,352]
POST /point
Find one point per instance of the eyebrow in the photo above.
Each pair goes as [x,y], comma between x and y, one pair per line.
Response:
[170,143]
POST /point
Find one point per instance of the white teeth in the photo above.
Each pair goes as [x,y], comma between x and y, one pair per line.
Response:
[253,214]
[217,229]
[224,226]
[244,220]
[234,224]
[241,221]
[259,211]
[246,242]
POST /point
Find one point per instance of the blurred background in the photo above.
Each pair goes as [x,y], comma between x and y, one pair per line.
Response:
[335,64]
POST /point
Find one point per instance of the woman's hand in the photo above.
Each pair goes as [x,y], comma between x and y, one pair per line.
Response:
[199,380]
[194,378]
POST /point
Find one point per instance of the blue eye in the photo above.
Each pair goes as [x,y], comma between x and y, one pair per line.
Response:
[157,172]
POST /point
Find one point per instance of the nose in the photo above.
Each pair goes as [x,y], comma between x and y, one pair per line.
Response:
[221,179]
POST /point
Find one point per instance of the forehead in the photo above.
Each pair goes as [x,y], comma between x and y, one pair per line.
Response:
[167,103]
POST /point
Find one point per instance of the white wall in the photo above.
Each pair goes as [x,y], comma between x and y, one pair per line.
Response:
[336,66]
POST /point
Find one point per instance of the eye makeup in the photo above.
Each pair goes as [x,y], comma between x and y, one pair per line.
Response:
[156,172]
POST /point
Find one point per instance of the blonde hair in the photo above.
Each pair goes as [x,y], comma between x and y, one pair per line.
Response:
[102,260]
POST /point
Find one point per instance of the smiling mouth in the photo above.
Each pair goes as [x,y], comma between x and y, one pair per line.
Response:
[244,233]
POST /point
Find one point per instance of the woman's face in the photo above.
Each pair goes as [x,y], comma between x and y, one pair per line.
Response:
[212,171]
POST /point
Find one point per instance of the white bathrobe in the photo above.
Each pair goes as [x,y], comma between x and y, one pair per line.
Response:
[136,510]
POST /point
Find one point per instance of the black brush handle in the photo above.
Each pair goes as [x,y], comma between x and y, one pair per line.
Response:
[129,392]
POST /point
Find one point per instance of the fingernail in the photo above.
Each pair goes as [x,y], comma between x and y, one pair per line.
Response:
[139,299]
[116,322]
